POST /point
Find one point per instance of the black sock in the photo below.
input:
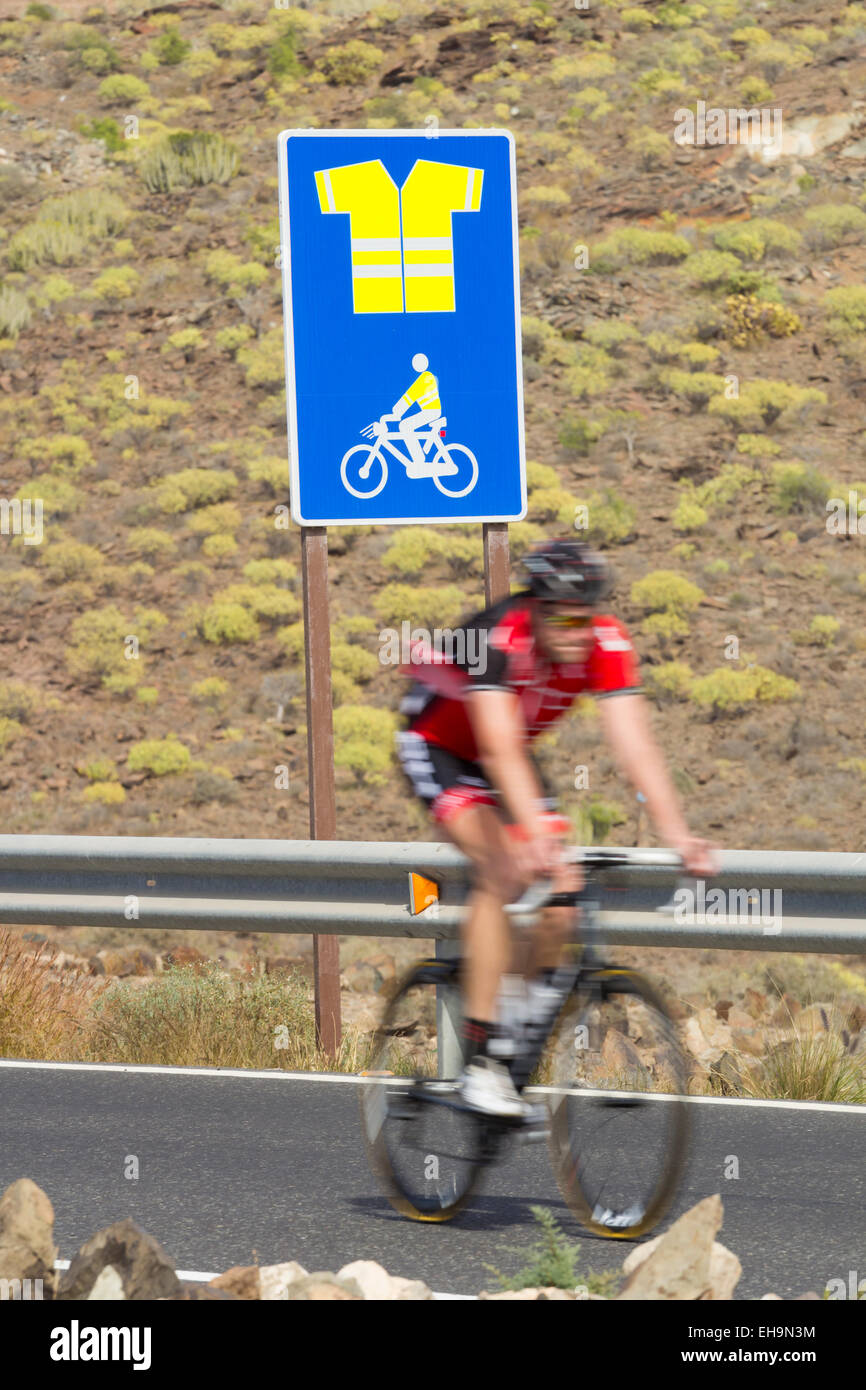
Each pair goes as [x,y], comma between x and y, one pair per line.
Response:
[476,1033]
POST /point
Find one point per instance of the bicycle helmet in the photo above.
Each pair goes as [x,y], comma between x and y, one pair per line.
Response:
[563,570]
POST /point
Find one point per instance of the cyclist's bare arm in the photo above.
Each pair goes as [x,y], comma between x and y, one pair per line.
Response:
[626,725]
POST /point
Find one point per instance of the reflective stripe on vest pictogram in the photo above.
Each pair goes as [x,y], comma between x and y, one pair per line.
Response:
[431,193]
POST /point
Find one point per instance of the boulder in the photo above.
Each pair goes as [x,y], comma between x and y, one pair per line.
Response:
[108,1286]
[324,1287]
[686,1262]
[242,1281]
[27,1249]
[143,1268]
[376,1283]
[274,1280]
[621,1055]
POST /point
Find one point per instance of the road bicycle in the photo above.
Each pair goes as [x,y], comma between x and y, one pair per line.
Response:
[364,467]
[605,1058]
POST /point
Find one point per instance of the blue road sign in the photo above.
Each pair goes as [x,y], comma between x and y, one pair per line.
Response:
[401,306]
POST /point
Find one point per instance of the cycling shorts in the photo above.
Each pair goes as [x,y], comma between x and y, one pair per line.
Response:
[448,784]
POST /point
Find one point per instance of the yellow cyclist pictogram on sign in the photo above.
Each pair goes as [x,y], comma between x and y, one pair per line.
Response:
[392,267]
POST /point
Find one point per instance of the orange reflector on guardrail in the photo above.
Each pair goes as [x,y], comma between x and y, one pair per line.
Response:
[422,892]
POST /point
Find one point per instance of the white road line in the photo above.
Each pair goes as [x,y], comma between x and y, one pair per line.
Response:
[348,1079]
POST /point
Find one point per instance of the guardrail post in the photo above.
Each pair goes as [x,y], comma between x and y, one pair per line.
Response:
[449,1018]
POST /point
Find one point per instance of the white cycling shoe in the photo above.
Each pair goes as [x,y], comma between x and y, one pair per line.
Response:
[486,1085]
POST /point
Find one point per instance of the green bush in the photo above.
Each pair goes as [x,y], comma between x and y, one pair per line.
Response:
[224,623]
[696,387]
[277,571]
[151,542]
[350,64]
[116,282]
[638,246]
[107,130]
[123,89]
[762,401]
[70,560]
[58,497]
[272,471]
[611,335]
[106,793]
[159,756]
[364,742]
[757,446]
[194,487]
[435,606]
[186,159]
[847,306]
[830,224]
[757,238]
[824,630]
[728,688]
[666,591]
[689,515]
[15,312]
[264,360]
[799,487]
[282,58]
[231,338]
[170,48]
[19,701]
[671,678]
[64,453]
[354,661]
[98,637]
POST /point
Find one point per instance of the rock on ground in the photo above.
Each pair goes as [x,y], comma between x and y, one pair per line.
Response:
[27,1249]
[376,1283]
[142,1266]
[686,1262]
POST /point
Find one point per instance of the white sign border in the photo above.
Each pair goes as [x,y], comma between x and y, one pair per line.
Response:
[288,335]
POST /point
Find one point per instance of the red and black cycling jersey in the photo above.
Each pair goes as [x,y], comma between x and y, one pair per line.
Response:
[496,650]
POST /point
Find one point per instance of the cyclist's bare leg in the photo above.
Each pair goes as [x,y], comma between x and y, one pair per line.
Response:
[554,923]
[479,833]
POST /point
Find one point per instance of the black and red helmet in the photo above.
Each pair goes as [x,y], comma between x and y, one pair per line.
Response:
[564,570]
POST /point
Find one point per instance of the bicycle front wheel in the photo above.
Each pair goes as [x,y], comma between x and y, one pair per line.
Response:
[619,1120]
[424,1146]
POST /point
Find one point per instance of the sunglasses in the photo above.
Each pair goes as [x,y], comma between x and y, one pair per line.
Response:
[567,619]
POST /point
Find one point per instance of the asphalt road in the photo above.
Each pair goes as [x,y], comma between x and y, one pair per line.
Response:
[233,1168]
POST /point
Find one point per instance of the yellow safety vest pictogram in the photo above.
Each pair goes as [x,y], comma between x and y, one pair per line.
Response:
[384,262]
[424,390]
[369,194]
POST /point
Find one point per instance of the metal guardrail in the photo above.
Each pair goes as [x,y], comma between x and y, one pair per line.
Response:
[350,887]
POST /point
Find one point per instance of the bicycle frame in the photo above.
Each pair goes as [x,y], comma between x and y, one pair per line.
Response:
[585,932]
[389,441]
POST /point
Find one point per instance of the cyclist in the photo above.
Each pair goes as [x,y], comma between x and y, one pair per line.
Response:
[423,393]
[519,665]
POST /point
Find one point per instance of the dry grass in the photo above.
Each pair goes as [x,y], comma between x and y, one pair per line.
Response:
[204,1017]
[44,1012]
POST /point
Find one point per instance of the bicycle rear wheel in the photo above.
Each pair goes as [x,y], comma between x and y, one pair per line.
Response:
[619,1121]
[426,1149]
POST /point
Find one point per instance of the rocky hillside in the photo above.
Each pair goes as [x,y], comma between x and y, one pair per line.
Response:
[695,322]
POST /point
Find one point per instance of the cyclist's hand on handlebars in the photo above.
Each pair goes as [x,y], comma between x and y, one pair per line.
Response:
[537,857]
[699,857]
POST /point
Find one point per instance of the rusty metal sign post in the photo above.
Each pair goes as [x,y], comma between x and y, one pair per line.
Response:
[320,762]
